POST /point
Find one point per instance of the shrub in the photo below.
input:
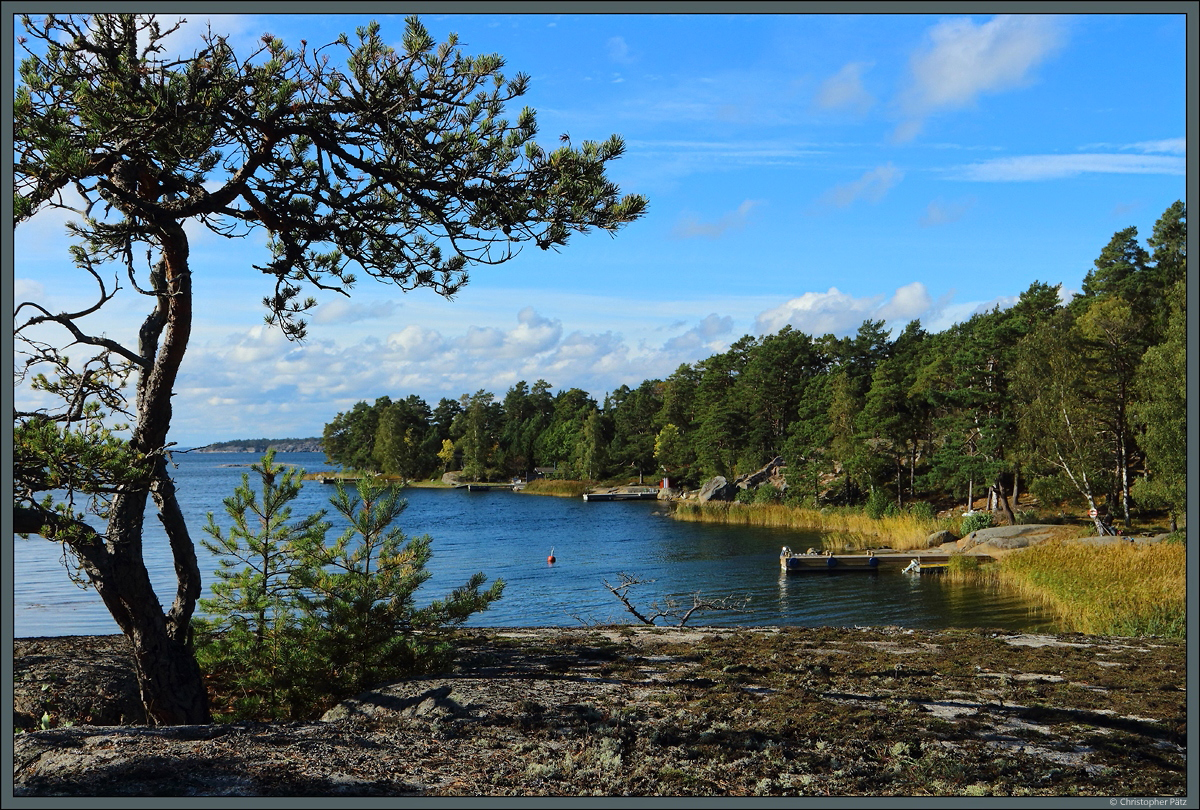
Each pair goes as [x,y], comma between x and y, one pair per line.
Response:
[922,510]
[878,503]
[795,498]
[974,522]
[767,493]
[744,496]
[1055,489]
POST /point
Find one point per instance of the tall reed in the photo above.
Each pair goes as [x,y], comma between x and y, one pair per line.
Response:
[1120,589]
[846,528]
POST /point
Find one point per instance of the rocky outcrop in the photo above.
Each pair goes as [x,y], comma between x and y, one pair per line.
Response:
[1009,537]
[49,673]
[770,473]
[579,712]
[940,538]
[716,489]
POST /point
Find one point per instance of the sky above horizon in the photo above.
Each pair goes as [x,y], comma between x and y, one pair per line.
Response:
[811,170]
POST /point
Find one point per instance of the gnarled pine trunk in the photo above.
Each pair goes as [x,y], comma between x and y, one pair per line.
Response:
[171,684]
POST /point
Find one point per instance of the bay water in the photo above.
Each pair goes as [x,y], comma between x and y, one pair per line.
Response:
[509,536]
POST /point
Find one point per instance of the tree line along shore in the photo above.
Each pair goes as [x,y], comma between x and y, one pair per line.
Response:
[1079,403]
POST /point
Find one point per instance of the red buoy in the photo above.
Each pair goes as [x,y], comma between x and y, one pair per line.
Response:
[550,559]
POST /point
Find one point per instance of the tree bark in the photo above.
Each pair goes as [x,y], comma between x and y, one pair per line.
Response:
[1124,450]
[1002,500]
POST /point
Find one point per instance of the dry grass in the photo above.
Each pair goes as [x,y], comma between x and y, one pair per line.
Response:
[1122,589]
[845,528]
[560,488]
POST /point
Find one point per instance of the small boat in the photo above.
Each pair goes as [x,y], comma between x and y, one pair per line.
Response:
[918,567]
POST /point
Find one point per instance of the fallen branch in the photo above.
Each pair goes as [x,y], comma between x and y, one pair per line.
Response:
[670,609]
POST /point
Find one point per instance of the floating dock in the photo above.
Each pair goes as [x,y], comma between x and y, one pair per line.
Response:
[623,494]
[485,487]
[793,563]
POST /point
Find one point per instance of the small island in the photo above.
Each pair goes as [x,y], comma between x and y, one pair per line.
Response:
[260,446]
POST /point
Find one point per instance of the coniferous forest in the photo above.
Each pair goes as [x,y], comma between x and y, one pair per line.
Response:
[1082,403]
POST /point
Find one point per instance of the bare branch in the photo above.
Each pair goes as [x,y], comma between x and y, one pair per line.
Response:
[670,609]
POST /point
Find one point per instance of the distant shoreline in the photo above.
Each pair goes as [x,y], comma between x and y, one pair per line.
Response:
[310,445]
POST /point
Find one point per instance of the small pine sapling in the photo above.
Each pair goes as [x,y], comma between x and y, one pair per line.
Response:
[249,637]
[360,621]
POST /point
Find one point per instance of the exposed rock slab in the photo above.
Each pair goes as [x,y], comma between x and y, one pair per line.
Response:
[696,711]
[716,489]
[1009,537]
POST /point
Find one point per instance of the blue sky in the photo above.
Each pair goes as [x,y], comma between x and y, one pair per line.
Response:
[812,170]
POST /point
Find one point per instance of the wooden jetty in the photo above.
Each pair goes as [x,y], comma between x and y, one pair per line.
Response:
[351,479]
[482,487]
[794,563]
[623,494]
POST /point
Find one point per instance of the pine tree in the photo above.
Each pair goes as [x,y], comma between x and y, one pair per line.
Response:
[352,157]
[361,624]
[249,636]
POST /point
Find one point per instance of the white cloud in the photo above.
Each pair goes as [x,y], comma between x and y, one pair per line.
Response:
[705,336]
[735,220]
[844,90]
[939,212]
[838,313]
[416,343]
[1053,167]
[258,345]
[257,377]
[618,50]
[533,335]
[961,61]
[1170,146]
[873,185]
[580,351]
[908,302]
[341,310]
[26,289]
[819,313]
[1164,146]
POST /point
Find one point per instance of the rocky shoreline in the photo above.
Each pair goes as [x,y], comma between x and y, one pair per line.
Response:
[650,711]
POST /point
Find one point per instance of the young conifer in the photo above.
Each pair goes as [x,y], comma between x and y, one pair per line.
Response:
[250,638]
[361,623]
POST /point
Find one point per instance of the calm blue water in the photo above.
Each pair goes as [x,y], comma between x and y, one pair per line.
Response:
[508,536]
